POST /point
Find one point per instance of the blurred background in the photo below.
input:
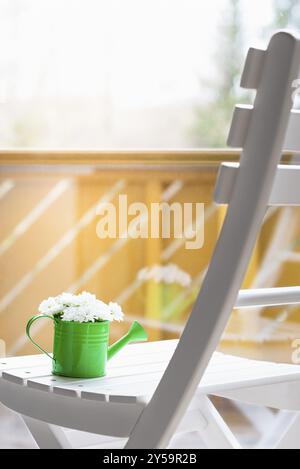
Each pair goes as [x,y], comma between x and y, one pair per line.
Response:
[127,74]
[79,78]
[133,76]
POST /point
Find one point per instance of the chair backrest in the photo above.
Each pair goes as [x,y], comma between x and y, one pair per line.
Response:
[285,191]
[262,132]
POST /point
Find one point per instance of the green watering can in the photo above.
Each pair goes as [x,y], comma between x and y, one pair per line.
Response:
[81,350]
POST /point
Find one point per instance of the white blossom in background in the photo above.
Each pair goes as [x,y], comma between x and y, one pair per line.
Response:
[84,307]
[169,274]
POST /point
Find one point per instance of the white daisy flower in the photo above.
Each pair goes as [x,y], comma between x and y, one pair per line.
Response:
[116,311]
[67,299]
[81,308]
[50,306]
[86,298]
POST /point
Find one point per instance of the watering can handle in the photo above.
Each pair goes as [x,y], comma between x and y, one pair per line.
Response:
[28,327]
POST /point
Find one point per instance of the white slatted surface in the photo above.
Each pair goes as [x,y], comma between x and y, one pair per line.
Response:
[134,375]
[286,190]
[22,362]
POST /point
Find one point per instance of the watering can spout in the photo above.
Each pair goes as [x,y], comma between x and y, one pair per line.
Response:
[136,333]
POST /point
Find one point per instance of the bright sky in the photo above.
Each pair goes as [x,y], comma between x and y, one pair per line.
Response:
[137,52]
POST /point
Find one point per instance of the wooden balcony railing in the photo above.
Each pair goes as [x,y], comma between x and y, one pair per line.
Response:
[49,242]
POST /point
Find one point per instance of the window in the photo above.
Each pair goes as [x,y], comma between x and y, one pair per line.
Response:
[127,74]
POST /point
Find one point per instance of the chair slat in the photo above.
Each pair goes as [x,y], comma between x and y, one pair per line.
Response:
[135,384]
[126,365]
[292,139]
[142,394]
[123,380]
[286,189]
[36,370]
[143,357]
[20,362]
[250,373]
[132,389]
[22,375]
[253,69]
[72,387]
[261,297]
[240,125]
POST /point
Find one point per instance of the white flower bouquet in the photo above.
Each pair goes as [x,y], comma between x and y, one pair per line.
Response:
[165,274]
[174,289]
[81,308]
[81,334]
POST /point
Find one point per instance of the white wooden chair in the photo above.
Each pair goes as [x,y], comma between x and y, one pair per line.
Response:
[154,391]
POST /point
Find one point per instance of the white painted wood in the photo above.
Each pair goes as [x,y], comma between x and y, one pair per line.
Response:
[262,420]
[71,386]
[249,201]
[239,126]
[142,393]
[285,192]
[290,438]
[136,384]
[241,122]
[101,418]
[144,359]
[235,365]
[232,377]
[131,385]
[253,69]
[193,420]
[268,297]
[292,139]
[272,437]
[111,444]
[21,375]
[127,384]
[143,356]
[84,440]
[154,358]
[47,436]
[216,435]
[247,378]
[21,362]
[281,395]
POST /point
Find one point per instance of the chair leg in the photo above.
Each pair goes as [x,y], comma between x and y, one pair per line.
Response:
[47,436]
[261,418]
[290,439]
[266,422]
[217,434]
[204,418]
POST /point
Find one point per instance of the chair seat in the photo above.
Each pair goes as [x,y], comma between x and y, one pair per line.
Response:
[134,374]
[112,405]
